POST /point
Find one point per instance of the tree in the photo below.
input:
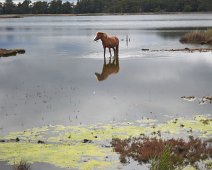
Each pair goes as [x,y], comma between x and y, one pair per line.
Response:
[26,8]
[18,9]
[1,8]
[187,8]
[8,7]
[40,7]
[55,7]
[67,8]
[109,6]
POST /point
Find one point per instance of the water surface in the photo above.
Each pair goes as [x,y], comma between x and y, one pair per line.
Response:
[54,81]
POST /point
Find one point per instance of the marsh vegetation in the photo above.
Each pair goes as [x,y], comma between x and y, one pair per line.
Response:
[163,154]
[198,37]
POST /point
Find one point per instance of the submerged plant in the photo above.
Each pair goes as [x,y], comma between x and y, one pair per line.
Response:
[22,165]
[163,154]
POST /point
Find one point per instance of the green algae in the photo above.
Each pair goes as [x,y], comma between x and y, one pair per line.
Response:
[33,134]
[60,133]
[65,156]
[208,163]
[196,125]
[189,167]
[66,146]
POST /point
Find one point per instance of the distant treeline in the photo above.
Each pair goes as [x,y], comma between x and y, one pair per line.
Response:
[104,6]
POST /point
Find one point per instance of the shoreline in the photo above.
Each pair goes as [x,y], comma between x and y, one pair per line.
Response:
[99,14]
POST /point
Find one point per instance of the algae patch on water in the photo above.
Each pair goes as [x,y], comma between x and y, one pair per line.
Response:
[89,147]
[66,156]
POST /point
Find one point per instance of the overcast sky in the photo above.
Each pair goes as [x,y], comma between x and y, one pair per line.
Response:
[16,1]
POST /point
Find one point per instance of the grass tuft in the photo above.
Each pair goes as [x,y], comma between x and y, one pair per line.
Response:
[163,162]
[199,37]
[22,165]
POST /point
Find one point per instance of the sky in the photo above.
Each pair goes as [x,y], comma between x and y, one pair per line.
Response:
[16,1]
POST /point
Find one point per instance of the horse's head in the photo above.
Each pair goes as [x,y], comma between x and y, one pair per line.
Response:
[99,77]
[99,35]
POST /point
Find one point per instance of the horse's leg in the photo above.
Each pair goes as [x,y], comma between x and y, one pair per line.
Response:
[110,58]
[114,51]
[117,60]
[110,52]
[114,59]
[117,50]
[104,51]
[104,60]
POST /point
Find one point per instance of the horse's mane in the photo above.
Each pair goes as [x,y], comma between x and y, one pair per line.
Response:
[102,33]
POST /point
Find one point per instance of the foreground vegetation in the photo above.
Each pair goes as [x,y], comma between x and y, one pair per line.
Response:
[89,146]
[199,37]
[163,154]
[102,6]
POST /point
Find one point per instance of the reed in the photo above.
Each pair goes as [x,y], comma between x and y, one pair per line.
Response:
[198,37]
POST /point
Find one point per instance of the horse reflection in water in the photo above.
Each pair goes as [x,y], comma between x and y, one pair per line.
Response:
[112,67]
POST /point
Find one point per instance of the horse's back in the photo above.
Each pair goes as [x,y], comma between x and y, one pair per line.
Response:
[113,42]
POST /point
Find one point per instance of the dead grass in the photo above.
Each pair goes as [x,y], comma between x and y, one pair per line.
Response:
[163,153]
[199,37]
[22,165]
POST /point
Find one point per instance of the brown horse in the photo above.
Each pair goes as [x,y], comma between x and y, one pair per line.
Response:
[108,42]
[108,68]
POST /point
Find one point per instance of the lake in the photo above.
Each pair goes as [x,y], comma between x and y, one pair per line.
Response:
[54,82]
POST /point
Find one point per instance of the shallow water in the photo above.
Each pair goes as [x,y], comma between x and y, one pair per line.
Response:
[54,81]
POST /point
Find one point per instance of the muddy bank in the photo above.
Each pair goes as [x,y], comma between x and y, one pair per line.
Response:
[11,16]
[181,50]
[12,52]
